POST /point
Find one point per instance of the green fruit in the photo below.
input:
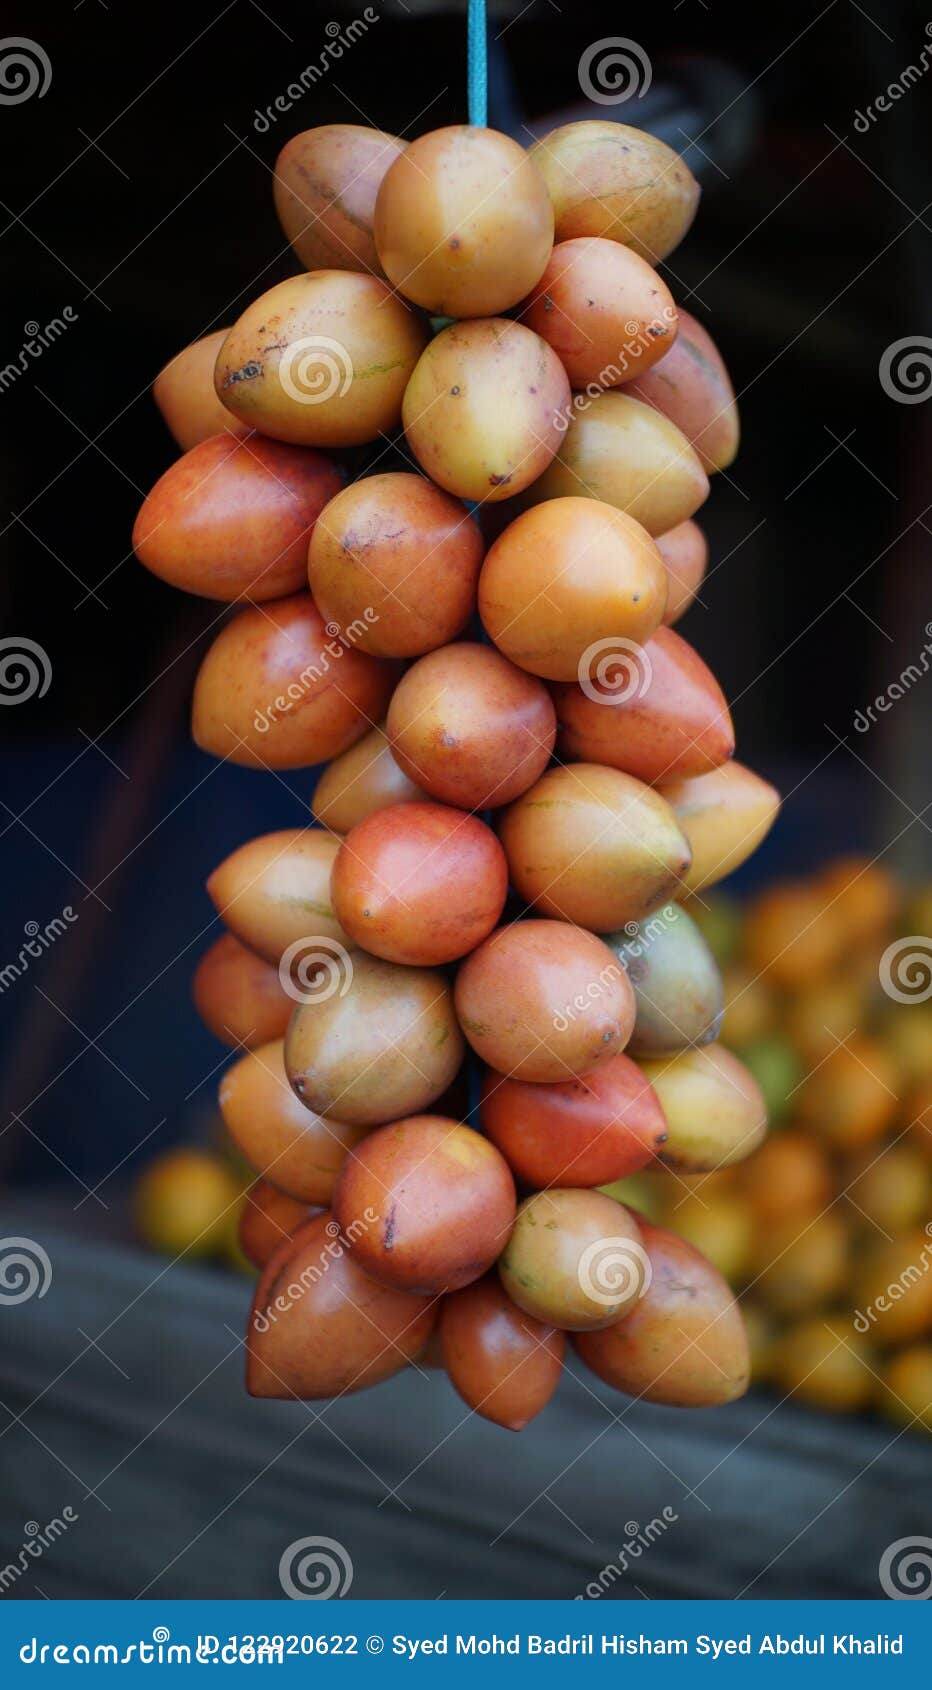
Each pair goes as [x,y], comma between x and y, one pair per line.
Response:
[643,1195]
[776,1068]
[718,918]
[677,985]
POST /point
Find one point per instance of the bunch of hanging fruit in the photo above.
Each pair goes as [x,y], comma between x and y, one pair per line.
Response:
[447,476]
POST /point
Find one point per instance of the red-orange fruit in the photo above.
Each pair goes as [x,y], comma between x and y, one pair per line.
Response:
[185,394]
[585,1132]
[267,1219]
[295,1150]
[396,560]
[657,712]
[239,996]
[320,1327]
[685,551]
[692,387]
[426,1203]
[419,883]
[568,580]
[470,728]
[683,1342]
[463,222]
[544,1001]
[505,1364]
[605,312]
[234,517]
[325,186]
[276,690]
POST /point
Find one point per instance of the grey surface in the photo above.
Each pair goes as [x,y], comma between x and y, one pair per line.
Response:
[199,1490]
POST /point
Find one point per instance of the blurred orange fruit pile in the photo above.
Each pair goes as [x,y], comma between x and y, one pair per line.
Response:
[826,1232]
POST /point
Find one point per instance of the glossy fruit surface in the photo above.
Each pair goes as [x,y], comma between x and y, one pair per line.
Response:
[325,187]
[684,1342]
[321,359]
[724,814]
[320,1327]
[427,1203]
[685,551]
[234,517]
[267,1220]
[419,883]
[292,1148]
[239,996]
[382,1045]
[692,387]
[544,1001]
[185,394]
[504,1364]
[677,985]
[275,690]
[275,890]
[591,845]
[470,728]
[484,408]
[574,1260]
[624,453]
[583,1132]
[714,1108]
[567,581]
[360,781]
[655,711]
[463,222]
[396,561]
[609,179]
[607,314]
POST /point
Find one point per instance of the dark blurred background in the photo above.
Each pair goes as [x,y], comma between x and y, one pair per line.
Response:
[137,193]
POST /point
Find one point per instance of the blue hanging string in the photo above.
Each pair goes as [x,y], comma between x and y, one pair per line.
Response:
[477,84]
[477,81]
